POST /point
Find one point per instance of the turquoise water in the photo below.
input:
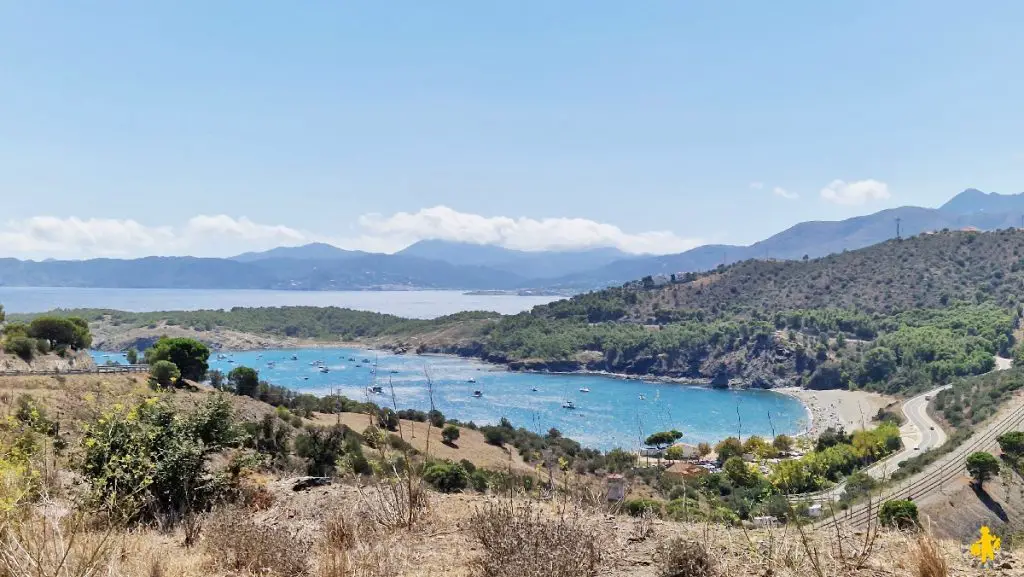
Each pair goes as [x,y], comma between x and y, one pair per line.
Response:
[610,415]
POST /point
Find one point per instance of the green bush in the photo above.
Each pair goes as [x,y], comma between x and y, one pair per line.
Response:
[1012,443]
[436,418]
[494,436]
[450,434]
[151,461]
[446,476]
[387,419]
[899,513]
[479,480]
[164,373]
[637,507]
[23,347]
[244,381]
[324,447]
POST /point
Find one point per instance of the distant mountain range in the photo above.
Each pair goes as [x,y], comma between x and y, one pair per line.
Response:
[436,264]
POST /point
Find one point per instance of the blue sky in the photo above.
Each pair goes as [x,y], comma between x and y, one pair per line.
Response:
[207,127]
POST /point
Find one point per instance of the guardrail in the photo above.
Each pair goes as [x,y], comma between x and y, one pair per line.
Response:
[101,369]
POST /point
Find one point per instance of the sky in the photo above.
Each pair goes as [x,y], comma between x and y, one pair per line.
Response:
[211,128]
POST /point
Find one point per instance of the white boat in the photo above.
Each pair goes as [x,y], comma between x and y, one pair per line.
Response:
[324,369]
[471,380]
[534,389]
[641,397]
[478,394]
[584,390]
[568,405]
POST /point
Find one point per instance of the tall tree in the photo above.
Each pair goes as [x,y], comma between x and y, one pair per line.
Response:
[982,466]
[244,381]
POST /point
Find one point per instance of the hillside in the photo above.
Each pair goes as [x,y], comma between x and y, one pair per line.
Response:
[896,316]
[532,265]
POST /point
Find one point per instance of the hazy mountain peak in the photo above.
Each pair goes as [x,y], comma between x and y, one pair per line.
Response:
[311,251]
[973,200]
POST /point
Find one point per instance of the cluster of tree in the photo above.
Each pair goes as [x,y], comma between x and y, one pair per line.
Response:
[173,360]
[972,400]
[44,334]
[836,455]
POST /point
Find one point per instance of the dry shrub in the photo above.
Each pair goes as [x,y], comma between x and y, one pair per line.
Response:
[686,558]
[927,557]
[239,543]
[395,503]
[50,541]
[351,548]
[519,540]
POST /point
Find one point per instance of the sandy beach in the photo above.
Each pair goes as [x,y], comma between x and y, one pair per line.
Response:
[834,408]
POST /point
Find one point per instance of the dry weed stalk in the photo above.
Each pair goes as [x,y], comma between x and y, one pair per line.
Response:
[51,541]
[926,556]
[519,540]
[686,558]
[351,549]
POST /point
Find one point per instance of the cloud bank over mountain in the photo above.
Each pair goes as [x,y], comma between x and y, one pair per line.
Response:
[223,235]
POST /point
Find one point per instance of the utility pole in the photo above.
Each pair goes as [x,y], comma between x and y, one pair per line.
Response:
[898,219]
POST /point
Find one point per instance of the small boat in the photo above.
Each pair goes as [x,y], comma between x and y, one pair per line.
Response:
[471,380]
[270,364]
[324,369]
[295,357]
[377,389]
[584,390]
[393,371]
[357,366]
[478,394]
[568,405]
[641,397]
[367,361]
[351,360]
[534,389]
[305,378]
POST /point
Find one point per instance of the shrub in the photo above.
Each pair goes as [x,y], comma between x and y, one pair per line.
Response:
[675,453]
[479,480]
[446,476]
[450,434]
[495,436]
[164,373]
[151,460]
[216,378]
[899,513]
[468,466]
[237,543]
[436,418]
[323,447]
[387,419]
[637,507]
[685,558]
[23,347]
[521,541]
[132,356]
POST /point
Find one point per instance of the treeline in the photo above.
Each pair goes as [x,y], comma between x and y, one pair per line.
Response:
[299,321]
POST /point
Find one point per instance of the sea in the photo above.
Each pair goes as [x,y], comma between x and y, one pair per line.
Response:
[609,412]
[420,304]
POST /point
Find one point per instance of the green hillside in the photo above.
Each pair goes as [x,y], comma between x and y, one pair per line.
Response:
[900,315]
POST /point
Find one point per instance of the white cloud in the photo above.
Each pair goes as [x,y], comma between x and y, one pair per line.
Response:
[441,222]
[222,235]
[756,185]
[855,193]
[779,191]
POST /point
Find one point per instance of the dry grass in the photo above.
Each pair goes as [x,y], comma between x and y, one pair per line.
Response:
[519,540]
[686,558]
[51,541]
[926,556]
[240,544]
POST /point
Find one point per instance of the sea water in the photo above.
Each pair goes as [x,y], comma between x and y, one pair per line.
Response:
[614,413]
[420,304]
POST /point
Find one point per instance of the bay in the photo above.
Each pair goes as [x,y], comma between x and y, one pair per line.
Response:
[423,304]
[614,413]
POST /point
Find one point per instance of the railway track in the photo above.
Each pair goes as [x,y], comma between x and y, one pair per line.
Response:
[934,477]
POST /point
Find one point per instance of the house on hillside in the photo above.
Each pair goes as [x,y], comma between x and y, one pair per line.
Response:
[683,470]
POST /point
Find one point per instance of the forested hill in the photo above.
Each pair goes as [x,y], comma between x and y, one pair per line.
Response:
[901,315]
[926,271]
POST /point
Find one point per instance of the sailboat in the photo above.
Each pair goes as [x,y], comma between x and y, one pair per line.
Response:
[568,404]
